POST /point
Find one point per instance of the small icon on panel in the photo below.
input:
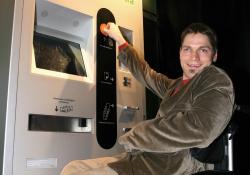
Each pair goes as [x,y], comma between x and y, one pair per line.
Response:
[106,75]
[107,110]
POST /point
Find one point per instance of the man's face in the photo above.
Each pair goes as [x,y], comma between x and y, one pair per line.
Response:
[195,53]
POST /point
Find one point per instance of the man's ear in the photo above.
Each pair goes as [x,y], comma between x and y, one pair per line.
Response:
[215,57]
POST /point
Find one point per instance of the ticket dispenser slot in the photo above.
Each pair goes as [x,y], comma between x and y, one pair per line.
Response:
[106,117]
[52,123]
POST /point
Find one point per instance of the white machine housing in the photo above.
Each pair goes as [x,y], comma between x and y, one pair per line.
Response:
[46,92]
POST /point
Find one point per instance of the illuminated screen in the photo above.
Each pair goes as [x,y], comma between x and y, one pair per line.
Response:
[59,55]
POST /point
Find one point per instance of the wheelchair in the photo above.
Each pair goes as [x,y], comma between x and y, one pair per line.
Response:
[220,151]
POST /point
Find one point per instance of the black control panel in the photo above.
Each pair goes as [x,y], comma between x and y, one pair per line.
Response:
[106,117]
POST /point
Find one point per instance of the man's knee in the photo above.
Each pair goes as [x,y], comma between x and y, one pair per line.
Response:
[75,167]
[89,166]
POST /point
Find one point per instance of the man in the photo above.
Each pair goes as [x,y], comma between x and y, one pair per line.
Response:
[194,111]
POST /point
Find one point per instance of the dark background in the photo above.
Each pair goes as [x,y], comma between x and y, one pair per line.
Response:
[163,22]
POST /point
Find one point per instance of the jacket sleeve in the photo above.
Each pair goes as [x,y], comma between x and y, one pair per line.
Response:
[156,82]
[188,125]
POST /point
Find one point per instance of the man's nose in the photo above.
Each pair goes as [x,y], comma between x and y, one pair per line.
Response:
[195,55]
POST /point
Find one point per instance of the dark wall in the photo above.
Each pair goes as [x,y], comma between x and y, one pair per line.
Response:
[173,16]
[151,50]
[231,21]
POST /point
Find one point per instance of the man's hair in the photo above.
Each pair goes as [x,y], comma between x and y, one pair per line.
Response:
[203,29]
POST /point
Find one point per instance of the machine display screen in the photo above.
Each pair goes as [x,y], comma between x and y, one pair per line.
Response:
[59,55]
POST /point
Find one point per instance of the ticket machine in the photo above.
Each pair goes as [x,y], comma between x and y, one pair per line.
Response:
[73,98]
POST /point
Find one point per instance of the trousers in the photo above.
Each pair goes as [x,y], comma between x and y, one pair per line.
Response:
[96,166]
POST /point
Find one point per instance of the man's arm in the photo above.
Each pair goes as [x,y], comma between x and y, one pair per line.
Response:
[195,125]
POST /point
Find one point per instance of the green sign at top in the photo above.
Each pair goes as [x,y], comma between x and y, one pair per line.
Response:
[130,1]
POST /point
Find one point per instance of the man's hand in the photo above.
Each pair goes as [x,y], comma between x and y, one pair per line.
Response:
[113,31]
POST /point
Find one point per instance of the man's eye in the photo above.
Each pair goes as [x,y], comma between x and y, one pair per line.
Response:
[204,50]
[185,49]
